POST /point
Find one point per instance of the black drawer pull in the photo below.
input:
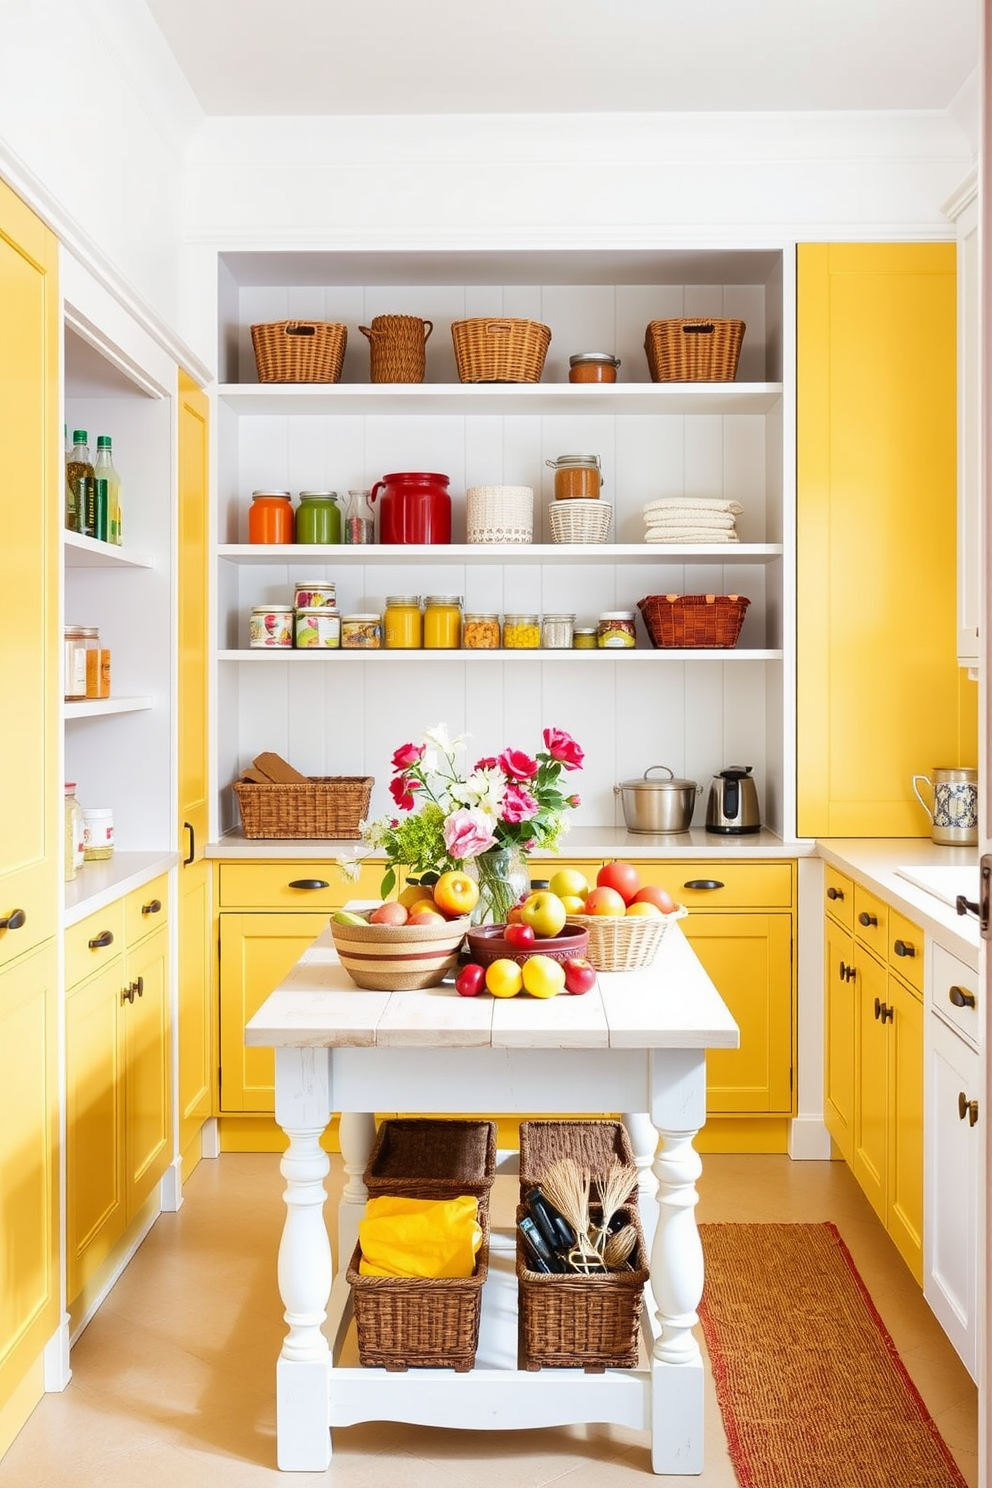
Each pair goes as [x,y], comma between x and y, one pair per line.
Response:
[967,1108]
[127,993]
[14,920]
[703,883]
[847,973]
[961,997]
[864,918]
[965,906]
[154,906]
[904,948]
[309,883]
[105,938]
[833,893]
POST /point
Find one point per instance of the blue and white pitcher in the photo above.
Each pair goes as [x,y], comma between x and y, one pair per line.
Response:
[954,812]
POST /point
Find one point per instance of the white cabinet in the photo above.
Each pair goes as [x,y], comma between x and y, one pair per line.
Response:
[343,713]
[951,1257]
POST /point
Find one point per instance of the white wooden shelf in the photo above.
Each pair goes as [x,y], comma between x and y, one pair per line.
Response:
[245,554]
[608,399]
[87,552]
[103,707]
[313,655]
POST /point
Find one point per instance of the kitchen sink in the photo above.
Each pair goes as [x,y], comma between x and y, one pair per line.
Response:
[945,881]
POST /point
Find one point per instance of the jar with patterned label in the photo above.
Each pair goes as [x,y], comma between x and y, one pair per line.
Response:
[270,625]
[616,629]
[314,594]
[98,833]
[361,632]
[319,628]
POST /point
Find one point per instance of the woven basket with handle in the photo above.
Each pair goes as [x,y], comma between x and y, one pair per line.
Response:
[500,349]
[693,620]
[432,1158]
[693,350]
[323,806]
[625,942]
[397,347]
[299,350]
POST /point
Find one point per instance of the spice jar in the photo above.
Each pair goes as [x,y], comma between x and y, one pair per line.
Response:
[318,519]
[314,595]
[521,632]
[74,845]
[442,622]
[480,632]
[98,833]
[97,663]
[556,632]
[616,628]
[361,632]
[593,366]
[270,625]
[584,638]
[318,628]
[401,623]
[577,477]
[270,517]
[75,663]
[359,518]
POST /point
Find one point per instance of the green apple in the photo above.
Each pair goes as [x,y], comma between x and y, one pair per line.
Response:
[544,912]
[345,917]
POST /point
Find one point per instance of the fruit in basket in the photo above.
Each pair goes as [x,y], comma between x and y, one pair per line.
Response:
[604,901]
[580,975]
[574,903]
[655,894]
[544,913]
[424,906]
[649,911]
[623,877]
[427,916]
[390,913]
[455,893]
[519,934]
[415,893]
[470,980]
[504,978]
[348,917]
[543,976]
[569,883]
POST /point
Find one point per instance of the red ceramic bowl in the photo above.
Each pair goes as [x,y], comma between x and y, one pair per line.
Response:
[485,944]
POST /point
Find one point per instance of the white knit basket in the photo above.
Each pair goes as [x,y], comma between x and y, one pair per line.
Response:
[580,521]
[500,514]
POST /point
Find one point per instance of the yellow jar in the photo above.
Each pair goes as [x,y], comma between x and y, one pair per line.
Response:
[442,622]
[402,623]
[521,632]
[481,633]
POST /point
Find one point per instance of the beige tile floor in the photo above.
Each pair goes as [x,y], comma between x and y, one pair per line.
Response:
[173,1380]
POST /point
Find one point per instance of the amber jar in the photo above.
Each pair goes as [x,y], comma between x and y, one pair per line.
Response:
[577,477]
[593,366]
[480,633]
[402,624]
[270,517]
[442,622]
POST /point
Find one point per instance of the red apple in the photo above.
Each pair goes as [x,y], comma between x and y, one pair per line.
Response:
[519,935]
[470,980]
[623,877]
[580,975]
[389,913]
[605,901]
[656,895]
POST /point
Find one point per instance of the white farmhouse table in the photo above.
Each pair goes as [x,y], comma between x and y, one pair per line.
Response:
[634,1044]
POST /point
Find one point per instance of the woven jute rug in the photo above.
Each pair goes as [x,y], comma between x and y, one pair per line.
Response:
[811,1389]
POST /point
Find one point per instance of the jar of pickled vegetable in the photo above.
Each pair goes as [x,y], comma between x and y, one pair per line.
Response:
[521,632]
[402,623]
[480,632]
[442,622]
[318,519]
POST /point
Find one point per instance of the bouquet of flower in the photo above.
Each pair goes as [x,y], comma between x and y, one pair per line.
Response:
[510,800]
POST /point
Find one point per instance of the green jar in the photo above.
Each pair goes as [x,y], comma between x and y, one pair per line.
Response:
[318,517]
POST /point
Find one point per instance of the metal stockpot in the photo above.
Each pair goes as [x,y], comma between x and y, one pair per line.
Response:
[658,805]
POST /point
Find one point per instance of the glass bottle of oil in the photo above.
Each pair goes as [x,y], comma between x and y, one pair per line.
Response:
[103,469]
[78,482]
[73,832]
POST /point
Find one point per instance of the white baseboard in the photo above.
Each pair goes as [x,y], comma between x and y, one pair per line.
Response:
[809,1140]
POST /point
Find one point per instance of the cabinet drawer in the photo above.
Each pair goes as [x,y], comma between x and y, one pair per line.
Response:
[94,942]
[838,897]
[906,949]
[724,885]
[871,921]
[287,885]
[955,992]
[146,909]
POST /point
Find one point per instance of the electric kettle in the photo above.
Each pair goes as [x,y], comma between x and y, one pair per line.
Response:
[732,806]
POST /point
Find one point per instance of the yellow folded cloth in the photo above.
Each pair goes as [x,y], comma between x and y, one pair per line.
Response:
[419,1237]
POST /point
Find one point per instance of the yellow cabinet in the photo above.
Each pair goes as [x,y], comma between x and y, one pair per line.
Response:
[118,1074]
[840,1009]
[876,536]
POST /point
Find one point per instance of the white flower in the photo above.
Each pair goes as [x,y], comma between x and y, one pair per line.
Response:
[485,789]
[438,737]
[350,869]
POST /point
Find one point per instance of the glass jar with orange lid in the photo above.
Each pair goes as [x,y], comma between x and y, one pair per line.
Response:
[442,622]
[270,517]
[402,623]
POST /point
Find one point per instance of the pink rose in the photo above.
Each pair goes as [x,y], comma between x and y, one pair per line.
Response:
[518,805]
[573,801]
[468,833]
[407,755]
[563,748]
[517,765]
[401,788]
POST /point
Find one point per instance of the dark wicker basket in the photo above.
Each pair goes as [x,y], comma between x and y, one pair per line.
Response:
[327,806]
[693,620]
[405,1322]
[428,1158]
[500,350]
[299,350]
[592,1144]
[693,350]
[397,347]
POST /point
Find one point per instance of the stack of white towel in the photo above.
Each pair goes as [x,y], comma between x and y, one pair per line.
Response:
[688,520]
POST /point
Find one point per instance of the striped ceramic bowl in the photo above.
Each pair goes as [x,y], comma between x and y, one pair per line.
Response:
[398,958]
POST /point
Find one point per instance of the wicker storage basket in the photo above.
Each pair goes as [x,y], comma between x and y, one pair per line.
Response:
[500,350]
[592,1144]
[323,806]
[299,350]
[693,350]
[580,521]
[625,942]
[407,1321]
[569,1321]
[397,347]
[698,620]
[432,1159]
[499,514]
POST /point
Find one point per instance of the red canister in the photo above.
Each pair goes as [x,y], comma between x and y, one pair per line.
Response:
[414,508]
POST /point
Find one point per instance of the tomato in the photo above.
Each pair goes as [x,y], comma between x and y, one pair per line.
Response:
[623,877]
[654,894]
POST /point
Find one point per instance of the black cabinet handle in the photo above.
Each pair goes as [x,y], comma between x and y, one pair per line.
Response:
[188,827]
[887,1013]
[960,997]
[864,918]
[703,883]
[309,883]
[967,1108]
[154,906]
[105,938]
[127,993]
[964,906]
[904,948]
[14,920]
[848,972]
[139,987]
[833,893]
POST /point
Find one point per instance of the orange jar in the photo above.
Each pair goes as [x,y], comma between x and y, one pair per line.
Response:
[577,477]
[270,517]
[593,366]
[442,622]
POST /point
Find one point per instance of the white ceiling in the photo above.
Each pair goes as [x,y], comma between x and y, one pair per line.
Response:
[308,57]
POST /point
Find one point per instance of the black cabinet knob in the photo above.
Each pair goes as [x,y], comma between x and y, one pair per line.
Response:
[864,918]
[904,948]
[105,938]
[961,997]
[14,920]
[833,893]
[127,993]
[967,1108]
[309,883]
[154,906]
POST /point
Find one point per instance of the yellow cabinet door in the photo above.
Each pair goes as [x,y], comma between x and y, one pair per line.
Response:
[195,961]
[840,1028]
[29,1163]
[256,953]
[749,960]
[94,1057]
[876,536]
[144,1013]
[905,1155]
[871,1132]
[31,799]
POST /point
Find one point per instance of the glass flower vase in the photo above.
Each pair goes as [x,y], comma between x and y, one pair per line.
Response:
[503,878]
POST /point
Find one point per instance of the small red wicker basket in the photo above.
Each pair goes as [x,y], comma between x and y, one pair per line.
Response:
[693,620]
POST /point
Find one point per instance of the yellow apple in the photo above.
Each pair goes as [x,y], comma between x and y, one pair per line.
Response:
[574,903]
[455,893]
[414,894]
[651,911]
[569,883]
[504,978]
[544,913]
[543,976]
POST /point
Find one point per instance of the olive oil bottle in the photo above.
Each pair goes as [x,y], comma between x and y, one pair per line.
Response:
[78,482]
[108,504]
